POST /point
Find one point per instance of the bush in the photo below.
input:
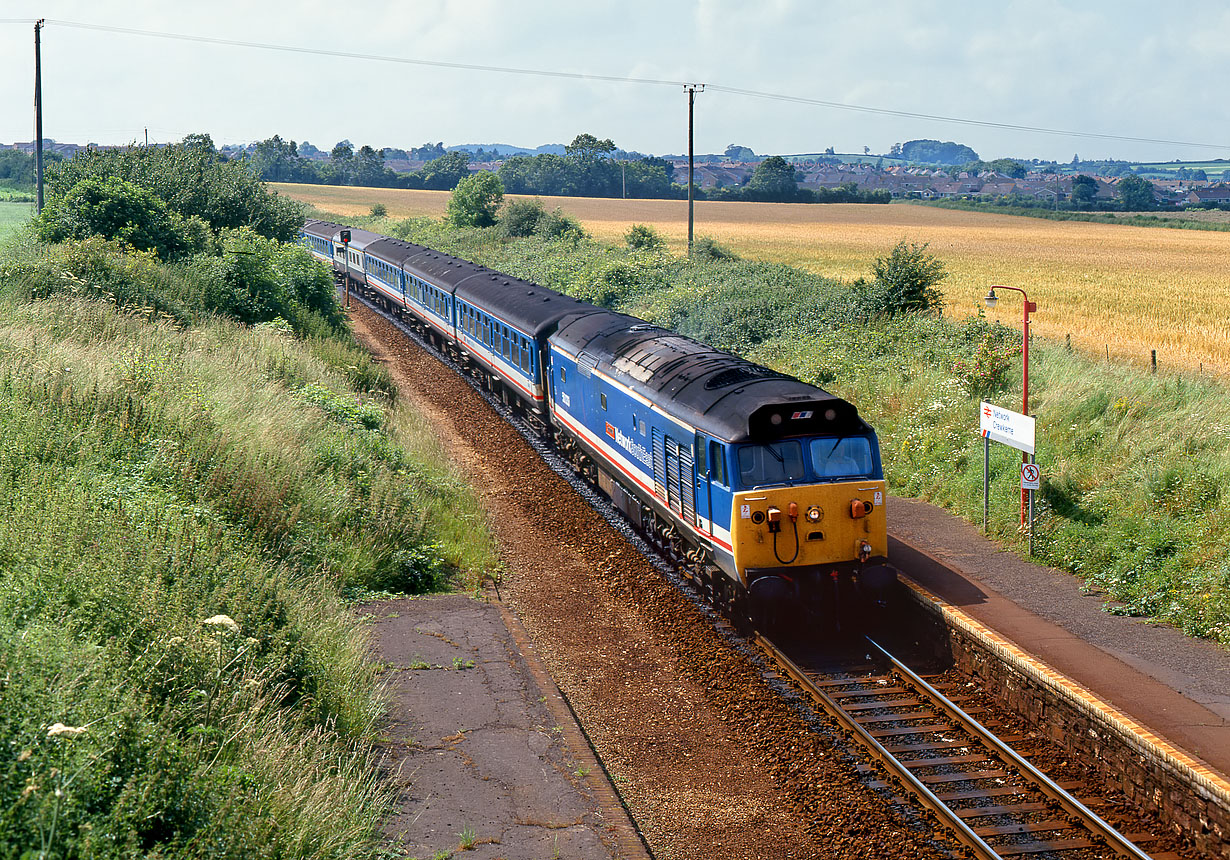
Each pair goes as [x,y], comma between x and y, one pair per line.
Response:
[907,279]
[986,373]
[708,248]
[114,208]
[556,224]
[191,180]
[379,210]
[521,218]
[643,237]
[257,280]
[475,200]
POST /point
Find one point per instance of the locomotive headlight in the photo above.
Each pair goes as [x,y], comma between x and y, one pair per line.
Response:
[815,514]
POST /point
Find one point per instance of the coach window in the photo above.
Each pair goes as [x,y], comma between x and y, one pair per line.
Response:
[602,396]
[525,355]
[563,375]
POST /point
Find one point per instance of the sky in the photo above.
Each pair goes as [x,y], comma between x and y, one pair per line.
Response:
[1118,68]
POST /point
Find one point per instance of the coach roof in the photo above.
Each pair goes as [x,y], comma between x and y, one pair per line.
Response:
[529,307]
[394,251]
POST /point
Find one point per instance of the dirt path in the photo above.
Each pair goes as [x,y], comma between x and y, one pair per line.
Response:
[710,761]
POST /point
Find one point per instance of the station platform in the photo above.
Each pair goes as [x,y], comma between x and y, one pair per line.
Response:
[1175,686]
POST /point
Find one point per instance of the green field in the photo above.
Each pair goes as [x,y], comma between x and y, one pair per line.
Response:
[13,215]
[1214,169]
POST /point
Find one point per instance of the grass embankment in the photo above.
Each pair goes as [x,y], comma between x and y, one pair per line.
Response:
[13,216]
[186,500]
[1134,465]
[1129,289]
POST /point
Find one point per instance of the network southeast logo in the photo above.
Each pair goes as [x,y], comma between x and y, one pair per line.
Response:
[629,444]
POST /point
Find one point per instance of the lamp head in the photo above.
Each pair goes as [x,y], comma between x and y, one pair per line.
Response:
[991,299]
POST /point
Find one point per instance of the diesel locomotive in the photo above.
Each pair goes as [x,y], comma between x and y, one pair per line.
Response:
[768,490]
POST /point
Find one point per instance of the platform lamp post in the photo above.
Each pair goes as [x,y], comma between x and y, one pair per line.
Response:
[1030,307]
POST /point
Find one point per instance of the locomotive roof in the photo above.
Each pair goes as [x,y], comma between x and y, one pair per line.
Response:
[720,394]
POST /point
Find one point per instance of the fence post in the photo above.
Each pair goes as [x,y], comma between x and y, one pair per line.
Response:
[1154,360]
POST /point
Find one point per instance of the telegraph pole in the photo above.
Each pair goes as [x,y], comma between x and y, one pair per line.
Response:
[692,90]
[38,117]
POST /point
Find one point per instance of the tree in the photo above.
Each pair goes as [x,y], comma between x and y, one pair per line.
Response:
[276,160]
[739,153]
[774,179]
[428,152]
[443,173]
[935,152]
[587,149]
[475,200]
[1084,190]
[1136,194]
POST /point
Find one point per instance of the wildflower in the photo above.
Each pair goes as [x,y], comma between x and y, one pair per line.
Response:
[61,730]
[223,621]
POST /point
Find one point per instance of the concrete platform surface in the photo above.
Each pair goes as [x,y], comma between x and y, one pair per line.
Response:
[487,753]
[1176,686]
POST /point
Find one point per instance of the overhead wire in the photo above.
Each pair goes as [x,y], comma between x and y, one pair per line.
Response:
[619,79]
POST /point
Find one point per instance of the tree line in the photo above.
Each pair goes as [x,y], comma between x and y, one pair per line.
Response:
[589,167]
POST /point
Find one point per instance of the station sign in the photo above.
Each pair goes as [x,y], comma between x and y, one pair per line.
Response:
[1003,425]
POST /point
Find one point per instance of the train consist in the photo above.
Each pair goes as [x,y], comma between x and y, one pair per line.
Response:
[768,490]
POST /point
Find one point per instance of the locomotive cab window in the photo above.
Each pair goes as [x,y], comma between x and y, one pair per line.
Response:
[846,457]
[602,397]
[774,463]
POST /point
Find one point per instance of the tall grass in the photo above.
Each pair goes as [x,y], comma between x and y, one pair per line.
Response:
[184,501]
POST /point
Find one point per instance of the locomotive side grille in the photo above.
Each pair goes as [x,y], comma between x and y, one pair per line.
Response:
[659,464]
[687,485]
[672,475]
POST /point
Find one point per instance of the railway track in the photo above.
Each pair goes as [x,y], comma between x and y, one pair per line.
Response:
[997,804]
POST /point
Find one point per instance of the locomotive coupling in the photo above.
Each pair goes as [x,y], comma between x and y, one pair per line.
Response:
[792,510]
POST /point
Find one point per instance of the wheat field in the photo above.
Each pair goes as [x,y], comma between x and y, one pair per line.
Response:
[1126,290]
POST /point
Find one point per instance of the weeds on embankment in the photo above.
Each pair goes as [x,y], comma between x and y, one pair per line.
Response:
[183,502]
[1134,465]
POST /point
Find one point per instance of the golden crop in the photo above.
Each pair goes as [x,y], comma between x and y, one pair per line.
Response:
[1129,289]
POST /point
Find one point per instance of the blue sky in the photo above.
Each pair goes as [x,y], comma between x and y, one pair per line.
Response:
[1129,68]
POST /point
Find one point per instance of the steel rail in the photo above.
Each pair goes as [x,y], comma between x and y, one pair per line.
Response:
[964,833]
[1114,839]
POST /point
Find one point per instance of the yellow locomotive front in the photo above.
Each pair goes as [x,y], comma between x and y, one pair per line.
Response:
[808,527]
